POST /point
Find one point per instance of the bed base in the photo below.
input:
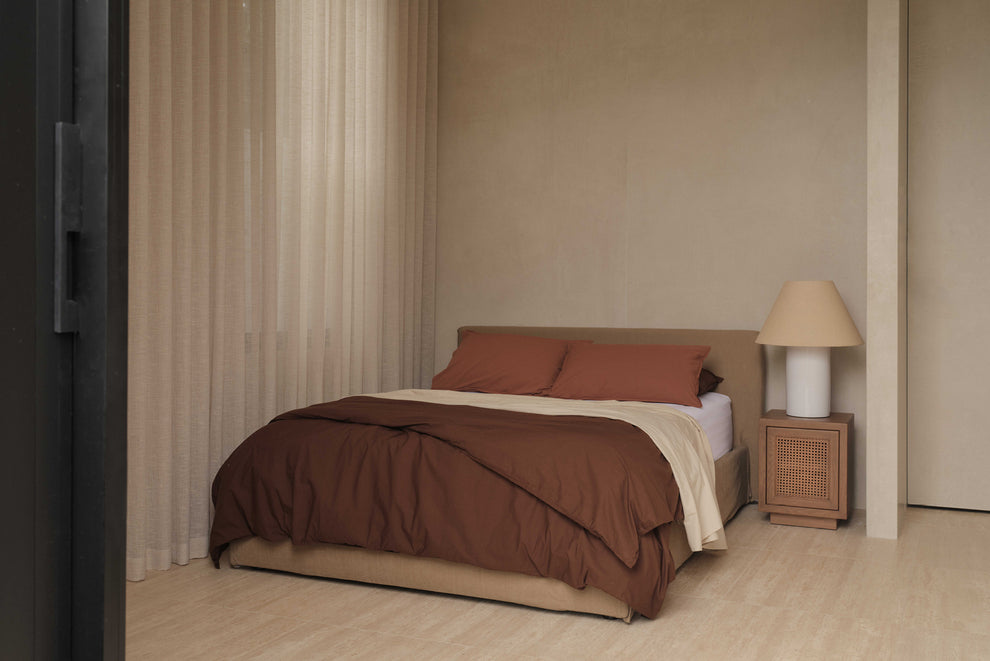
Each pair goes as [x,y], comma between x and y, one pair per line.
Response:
[435,575]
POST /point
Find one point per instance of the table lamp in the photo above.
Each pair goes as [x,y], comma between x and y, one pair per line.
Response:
[809,318]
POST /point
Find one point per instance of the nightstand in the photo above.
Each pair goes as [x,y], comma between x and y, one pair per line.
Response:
[804,469]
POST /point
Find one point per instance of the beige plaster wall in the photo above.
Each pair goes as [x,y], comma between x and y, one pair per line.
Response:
[644,163]
[949,236]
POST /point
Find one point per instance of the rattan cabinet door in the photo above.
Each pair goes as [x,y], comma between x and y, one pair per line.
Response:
[802,468]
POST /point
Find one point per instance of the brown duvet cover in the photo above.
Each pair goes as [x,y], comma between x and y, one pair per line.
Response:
[585,500]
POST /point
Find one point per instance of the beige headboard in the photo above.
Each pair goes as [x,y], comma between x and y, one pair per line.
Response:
[735,356]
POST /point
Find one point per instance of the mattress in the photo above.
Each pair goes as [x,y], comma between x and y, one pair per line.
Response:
[715,417]
[685,449]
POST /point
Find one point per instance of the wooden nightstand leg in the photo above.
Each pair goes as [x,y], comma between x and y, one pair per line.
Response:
[805,521]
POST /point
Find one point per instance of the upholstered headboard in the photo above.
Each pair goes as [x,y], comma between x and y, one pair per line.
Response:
[735,356]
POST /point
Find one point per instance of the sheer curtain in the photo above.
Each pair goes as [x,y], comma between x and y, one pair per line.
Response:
[282,219]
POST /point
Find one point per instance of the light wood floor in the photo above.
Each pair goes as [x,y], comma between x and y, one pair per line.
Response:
[778,593]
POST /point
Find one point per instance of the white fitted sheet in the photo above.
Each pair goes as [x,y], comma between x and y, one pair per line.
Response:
[715,417]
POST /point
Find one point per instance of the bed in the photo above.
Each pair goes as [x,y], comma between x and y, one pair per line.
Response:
[734,356]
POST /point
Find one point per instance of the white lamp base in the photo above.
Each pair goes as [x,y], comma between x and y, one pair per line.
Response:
[809,382]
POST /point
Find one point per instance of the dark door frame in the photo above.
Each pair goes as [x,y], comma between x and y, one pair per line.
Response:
[99,457]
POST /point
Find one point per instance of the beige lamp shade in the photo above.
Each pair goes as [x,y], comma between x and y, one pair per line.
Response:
[809,313]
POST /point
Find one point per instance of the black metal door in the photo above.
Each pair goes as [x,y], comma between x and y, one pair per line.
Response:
[63,235]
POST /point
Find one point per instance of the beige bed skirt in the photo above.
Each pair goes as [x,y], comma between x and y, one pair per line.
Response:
[384,568]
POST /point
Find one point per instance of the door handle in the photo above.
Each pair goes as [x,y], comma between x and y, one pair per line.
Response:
[68,222]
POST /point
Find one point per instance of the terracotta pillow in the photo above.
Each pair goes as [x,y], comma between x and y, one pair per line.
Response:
[633,372]
[708,381]
[502,363]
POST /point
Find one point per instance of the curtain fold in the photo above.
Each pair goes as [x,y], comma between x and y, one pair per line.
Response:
[282,230]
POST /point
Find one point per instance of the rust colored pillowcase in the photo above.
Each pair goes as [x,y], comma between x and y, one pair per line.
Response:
[632,372]
[503,363]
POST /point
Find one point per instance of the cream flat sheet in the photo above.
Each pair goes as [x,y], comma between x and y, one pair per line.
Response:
[678,435]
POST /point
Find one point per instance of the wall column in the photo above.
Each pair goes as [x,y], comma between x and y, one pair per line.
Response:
[886,208]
